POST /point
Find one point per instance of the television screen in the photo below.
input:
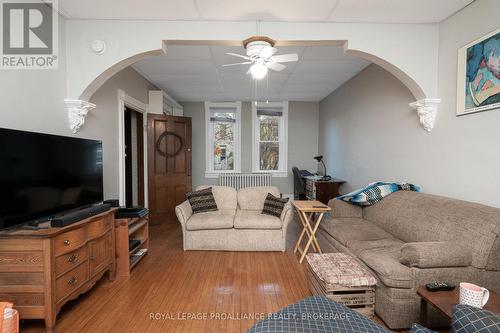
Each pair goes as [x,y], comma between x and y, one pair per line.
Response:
[44,175]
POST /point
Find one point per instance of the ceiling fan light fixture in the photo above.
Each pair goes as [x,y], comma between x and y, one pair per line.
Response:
[258,70]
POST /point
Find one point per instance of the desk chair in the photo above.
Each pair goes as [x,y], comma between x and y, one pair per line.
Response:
[299,186]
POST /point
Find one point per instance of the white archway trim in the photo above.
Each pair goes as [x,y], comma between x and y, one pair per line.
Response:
[426,110]
[77,112]
[108,73]
[408,81]
[413,48]
[125,100]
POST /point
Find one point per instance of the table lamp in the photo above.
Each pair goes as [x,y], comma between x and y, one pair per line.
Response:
[319,158]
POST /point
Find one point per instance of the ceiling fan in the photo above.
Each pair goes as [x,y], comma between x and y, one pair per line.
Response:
[260,54]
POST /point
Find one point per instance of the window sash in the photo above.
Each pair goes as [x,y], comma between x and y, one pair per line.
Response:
[281,111]
[222,113]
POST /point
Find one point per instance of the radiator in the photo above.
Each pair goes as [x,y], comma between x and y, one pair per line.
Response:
[241,180]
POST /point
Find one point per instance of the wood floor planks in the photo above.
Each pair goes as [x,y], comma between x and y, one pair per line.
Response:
[176,283]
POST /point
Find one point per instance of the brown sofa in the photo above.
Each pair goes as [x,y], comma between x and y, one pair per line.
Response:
[409,239]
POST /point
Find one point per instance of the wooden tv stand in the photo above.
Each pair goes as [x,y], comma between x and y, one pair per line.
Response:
[41,270]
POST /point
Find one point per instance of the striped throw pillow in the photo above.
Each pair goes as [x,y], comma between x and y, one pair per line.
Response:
[273,205]
[202,201]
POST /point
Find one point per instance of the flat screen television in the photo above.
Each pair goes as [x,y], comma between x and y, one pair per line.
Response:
[43,176]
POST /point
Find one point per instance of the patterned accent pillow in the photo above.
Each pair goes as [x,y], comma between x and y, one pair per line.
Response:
[273,205]
[468,319]
[416,328]
[317,314]
[202,201]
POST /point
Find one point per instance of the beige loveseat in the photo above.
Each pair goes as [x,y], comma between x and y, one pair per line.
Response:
[409,239]
[238,224]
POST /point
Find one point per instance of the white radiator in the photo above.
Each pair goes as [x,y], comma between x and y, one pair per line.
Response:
[241,180]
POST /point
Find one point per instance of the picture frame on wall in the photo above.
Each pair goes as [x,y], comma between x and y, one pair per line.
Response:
[478,75]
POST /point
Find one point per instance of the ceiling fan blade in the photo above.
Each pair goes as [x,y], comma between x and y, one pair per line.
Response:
[238,63]
[275,66]
[238,55]
[267,51]
[285,57]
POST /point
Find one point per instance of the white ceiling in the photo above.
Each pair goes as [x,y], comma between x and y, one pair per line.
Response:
[386,11]
[195,73]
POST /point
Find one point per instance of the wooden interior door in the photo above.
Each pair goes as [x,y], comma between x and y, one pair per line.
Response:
[169,165]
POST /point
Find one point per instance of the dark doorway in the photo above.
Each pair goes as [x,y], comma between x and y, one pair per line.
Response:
[134,158]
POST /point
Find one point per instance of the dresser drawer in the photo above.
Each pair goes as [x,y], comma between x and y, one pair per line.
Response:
[98,228]
[71,259]
[70,281]
[69,241]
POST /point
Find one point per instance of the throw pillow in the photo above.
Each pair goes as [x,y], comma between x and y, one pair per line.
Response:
[468,319]
[202,201]
[273,205]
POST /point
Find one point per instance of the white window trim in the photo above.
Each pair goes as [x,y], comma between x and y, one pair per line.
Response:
[123,101]
[209,166]
[283,171]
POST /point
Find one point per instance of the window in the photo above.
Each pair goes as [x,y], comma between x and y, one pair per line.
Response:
[270,138]
[223,138]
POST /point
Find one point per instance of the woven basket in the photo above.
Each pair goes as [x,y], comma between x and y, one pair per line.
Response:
[9,318]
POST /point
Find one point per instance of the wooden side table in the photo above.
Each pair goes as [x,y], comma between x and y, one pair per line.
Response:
[444,300]
[307,210]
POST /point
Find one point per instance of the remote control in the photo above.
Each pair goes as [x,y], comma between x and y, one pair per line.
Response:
[439,286]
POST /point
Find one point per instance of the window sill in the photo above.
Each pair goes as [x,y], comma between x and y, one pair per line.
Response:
[276,174]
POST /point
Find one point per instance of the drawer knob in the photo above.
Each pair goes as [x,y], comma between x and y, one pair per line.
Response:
[72,281]
[66,242]
[73,257]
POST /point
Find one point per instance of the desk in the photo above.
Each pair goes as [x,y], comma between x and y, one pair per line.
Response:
[322,190]
[307,210]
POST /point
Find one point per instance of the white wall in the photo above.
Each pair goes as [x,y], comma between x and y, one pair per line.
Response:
[32,100]
[368,132]
[102,122]
[302,141]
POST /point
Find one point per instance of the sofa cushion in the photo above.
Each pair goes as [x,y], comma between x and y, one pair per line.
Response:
[252,198]
[420,217]
[220,219]
[358,246]
[347,229]
[202,201]
[273,205]
[385,262]
[435,254]
[225,196]
[253,219]
[343,209]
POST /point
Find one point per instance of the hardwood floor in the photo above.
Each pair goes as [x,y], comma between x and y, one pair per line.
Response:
[176,284]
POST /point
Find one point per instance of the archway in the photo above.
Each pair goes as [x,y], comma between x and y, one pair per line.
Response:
[405,78]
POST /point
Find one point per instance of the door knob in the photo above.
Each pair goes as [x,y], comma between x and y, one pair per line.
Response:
[189,149]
